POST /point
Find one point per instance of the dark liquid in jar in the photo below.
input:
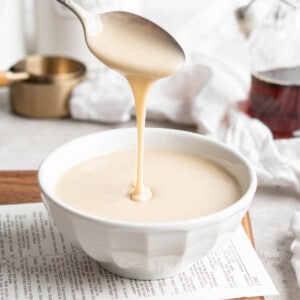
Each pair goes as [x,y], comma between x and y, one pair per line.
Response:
[275,99]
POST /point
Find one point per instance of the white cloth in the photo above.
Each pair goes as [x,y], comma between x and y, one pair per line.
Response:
[295,246]
[214,77]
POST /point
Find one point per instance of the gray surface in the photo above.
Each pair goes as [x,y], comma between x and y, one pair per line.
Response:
[271,213]
[25,142]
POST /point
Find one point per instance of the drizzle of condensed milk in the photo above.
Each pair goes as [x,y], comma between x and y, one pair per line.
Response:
[142,55]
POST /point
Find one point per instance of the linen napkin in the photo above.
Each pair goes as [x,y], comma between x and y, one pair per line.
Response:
[295,246]
[216,71]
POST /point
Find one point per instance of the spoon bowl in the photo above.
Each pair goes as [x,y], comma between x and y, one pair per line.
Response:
[129,43]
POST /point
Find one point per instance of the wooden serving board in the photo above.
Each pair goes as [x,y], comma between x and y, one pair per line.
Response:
[22,187]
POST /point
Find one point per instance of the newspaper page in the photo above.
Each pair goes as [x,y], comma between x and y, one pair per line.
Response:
[37,262]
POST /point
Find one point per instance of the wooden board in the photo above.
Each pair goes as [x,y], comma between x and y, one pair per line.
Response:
[22,187]
[19,187]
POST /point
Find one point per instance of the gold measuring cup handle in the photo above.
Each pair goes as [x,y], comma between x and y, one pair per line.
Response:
[7,77]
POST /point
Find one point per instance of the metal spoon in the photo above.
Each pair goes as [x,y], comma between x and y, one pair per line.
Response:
[117,39]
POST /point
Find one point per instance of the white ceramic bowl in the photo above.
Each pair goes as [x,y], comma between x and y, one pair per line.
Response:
[145,250]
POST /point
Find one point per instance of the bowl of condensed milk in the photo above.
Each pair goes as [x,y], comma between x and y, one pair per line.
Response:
[200,191]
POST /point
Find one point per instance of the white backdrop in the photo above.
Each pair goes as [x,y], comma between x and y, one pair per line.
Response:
[28,26]
[170,14]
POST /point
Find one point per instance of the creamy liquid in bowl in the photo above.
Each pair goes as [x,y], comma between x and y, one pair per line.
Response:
[183,187]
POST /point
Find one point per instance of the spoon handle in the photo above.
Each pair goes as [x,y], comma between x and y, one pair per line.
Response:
[4,81]
[7,77]
[90,22]
[81,13]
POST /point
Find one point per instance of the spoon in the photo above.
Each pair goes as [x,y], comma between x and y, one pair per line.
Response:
[140,50]
[128,43]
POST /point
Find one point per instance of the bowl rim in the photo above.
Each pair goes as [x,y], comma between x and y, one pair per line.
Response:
[241,204]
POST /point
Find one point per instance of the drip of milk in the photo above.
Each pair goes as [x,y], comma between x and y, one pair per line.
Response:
[143,55]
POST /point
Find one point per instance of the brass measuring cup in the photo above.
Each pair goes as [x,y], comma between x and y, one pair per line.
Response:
[40,86]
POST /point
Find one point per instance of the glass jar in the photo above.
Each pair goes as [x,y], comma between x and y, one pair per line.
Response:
[274,48]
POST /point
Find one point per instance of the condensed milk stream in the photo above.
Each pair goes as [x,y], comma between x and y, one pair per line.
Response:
[143,55]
